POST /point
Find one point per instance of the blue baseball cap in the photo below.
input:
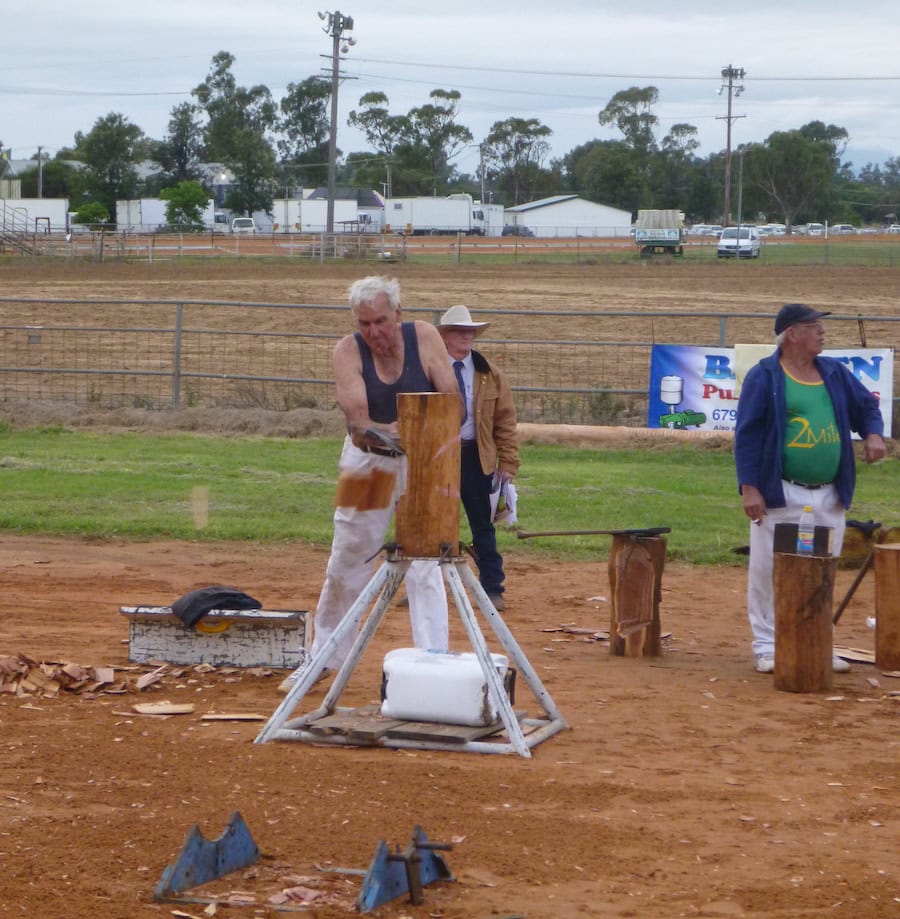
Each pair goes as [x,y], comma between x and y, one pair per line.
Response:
[792,313]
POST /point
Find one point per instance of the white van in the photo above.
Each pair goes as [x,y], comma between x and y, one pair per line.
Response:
[742,242]
[243,225]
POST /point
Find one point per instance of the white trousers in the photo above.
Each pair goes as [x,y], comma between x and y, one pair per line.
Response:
[828,512]
[369,487]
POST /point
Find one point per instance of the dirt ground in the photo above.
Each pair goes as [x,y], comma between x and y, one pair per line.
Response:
[685,785]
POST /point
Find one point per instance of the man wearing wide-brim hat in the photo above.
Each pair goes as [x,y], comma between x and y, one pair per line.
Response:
[489,453]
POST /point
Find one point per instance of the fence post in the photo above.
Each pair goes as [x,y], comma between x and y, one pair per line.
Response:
[176,356]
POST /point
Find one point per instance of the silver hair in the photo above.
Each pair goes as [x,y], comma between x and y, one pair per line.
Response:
[367,289]
[779,338]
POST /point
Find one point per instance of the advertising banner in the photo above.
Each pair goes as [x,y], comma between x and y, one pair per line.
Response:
[696,388]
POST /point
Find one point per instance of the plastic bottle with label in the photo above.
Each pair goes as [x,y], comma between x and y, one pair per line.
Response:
[806,532]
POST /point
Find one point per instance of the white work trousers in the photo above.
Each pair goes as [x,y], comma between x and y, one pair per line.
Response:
[369,486]
[828,512]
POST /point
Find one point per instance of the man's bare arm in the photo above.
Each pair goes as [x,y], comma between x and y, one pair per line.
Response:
[350,388]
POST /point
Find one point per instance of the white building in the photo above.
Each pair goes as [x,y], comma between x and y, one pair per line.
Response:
[569,215]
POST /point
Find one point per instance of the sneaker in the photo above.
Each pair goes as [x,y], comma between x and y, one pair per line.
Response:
[765,663]
[497,601]
[839,665]
[288,682]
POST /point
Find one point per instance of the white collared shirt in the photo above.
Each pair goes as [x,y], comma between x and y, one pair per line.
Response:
[467,431]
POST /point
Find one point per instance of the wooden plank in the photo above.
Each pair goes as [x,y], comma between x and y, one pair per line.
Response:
[232,716]
[446,733]
[251,615]
[363,725]
[241,638]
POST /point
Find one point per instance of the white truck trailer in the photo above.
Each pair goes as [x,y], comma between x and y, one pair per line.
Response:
[423,216]
[309,215]
[147,215]
[660,232]
[34,215]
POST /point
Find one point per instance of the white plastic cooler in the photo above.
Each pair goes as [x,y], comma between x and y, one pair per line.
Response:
[447,687]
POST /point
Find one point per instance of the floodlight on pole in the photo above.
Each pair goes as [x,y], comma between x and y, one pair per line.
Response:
[336,26]
[731,77]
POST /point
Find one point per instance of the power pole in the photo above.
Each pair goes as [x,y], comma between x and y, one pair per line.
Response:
[335,26]
[731,82]
[40,173]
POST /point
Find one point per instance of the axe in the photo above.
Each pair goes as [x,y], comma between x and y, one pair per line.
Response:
[638,531]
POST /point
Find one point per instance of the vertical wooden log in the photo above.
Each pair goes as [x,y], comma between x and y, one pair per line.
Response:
[887,606]
[635,583]
[428,513]
[804,585]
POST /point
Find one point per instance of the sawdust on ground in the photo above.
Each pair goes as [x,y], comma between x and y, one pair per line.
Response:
[684,786]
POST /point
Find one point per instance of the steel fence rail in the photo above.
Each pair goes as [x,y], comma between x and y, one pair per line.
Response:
[162,354]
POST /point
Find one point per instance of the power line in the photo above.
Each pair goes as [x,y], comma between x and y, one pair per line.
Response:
[616,76]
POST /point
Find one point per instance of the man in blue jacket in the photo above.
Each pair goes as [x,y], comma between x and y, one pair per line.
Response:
[792,447]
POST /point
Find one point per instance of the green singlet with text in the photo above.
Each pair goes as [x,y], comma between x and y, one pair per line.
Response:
[812,444]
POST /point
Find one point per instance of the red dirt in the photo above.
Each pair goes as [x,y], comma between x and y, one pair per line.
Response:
[685,785]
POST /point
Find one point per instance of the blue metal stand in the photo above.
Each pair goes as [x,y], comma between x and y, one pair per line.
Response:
[202,860]
[393,874]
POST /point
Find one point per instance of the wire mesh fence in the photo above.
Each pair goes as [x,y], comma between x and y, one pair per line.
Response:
[216,354]
[563,246]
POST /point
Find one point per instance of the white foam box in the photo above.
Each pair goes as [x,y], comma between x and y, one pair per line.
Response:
[447,687]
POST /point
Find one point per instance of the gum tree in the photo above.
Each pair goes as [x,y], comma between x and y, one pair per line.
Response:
[239,120]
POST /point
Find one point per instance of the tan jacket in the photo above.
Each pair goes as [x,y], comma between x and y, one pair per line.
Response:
[495,418]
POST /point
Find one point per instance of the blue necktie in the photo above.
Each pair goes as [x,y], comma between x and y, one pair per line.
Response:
[458,370]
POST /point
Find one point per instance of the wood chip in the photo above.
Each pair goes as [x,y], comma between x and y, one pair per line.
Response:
[164,708]
[148,679]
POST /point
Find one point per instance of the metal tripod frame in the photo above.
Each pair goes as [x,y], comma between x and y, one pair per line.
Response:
[383,585]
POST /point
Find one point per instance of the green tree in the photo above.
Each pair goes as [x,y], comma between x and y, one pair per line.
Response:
[180,152]
[58,180]
[92,213]
[515,150]
[793,173]
[239,120]
[385,133]
[185,203]
[110,152]
[382,130]
[304,125]
[631,111]
[605,171]
[433,132]
[672,168]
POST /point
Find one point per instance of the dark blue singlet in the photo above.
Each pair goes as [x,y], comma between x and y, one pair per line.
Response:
[382,397]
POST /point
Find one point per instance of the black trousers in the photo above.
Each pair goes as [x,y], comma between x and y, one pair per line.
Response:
[475,490]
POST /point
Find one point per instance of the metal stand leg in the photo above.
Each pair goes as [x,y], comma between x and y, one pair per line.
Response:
[388,576]
[459,578]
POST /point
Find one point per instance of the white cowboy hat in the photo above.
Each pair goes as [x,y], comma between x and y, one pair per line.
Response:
[459,317]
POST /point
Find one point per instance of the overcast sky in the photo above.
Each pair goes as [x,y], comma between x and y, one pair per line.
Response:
[63,65]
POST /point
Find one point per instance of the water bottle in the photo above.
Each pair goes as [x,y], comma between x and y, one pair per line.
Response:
[806,532]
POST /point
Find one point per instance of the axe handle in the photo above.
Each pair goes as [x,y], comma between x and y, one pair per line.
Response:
[639,531]
[866,565]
